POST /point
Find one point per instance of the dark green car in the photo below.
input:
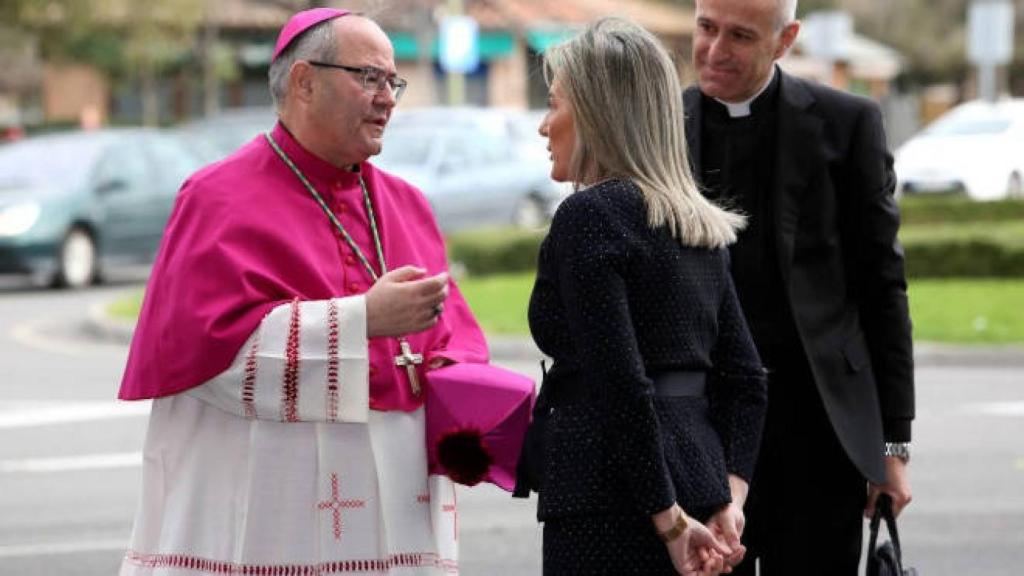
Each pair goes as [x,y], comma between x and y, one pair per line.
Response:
[74,205]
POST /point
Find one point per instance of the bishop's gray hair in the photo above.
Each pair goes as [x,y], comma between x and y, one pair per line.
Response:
[628,114]
[318,43]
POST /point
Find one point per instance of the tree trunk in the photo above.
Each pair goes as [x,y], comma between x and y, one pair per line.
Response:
[211,84]
[150,98]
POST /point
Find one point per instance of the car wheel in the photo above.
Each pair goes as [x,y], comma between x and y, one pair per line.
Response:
[76,260]
[529,213]
[1015,186]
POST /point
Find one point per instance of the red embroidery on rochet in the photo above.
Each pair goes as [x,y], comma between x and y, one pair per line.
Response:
[249,384]
[290,386]
[453,508]
[332,361]
[336,504]
[207,566]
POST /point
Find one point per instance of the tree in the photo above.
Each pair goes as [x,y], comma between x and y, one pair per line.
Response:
[124,39]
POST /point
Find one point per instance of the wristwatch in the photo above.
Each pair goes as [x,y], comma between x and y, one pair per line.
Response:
[900,450]
[676,530]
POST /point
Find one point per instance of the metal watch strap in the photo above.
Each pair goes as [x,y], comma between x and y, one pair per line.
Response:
[900,450]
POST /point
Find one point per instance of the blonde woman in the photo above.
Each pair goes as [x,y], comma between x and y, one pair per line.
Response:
[656,397]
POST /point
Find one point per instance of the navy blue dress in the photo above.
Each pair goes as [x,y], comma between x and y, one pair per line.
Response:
[615,303]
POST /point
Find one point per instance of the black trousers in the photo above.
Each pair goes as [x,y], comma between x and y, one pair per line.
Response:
[806,503]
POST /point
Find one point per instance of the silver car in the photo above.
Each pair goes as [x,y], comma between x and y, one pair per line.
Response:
[474,167]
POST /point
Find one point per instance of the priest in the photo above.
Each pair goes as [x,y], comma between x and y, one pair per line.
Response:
[297,300]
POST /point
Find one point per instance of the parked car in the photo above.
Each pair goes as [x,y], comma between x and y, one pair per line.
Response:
[976,148]
[215,138]
[477,166]
[75,204]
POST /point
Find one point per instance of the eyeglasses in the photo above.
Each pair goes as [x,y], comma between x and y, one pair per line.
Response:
[374,79]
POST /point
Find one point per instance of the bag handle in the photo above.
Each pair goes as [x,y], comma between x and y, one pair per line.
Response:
[883,509]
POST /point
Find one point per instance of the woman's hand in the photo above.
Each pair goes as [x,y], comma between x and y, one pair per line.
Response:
[727,526]
[695,552]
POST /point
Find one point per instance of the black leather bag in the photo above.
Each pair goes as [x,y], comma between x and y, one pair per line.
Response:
[886,559]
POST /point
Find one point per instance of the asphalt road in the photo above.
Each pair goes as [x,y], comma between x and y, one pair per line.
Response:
[69,456]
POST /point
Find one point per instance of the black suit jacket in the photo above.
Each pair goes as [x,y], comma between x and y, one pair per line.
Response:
[835,223]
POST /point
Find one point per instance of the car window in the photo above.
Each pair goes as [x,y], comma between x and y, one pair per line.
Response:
[123,163]
[972,121]
[464,150]
[48,161]
[173,162]
[491,149]
[406,147]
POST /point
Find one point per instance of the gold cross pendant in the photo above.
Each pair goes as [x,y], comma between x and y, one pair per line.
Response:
[409,360]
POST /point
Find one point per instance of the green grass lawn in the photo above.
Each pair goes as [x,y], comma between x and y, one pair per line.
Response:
[972,311]
[951,311]
[499,302]
[1010,233]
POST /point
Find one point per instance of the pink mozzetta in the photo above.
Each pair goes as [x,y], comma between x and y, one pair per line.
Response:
[301,22]
[245,236]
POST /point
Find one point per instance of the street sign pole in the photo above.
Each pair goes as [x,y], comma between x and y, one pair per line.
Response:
[459,52]
[990,42]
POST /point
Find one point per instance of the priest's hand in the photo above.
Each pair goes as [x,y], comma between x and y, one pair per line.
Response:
[404,301]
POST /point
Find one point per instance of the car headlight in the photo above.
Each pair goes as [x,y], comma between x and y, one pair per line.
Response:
[17,219]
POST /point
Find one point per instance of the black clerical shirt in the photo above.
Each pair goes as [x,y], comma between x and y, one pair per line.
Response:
[737,170]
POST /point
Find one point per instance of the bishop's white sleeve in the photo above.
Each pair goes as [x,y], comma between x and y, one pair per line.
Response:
[307,361]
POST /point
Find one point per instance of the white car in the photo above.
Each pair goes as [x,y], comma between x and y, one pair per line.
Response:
[976,148]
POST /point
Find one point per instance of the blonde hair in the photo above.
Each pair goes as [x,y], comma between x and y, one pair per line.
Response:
[628,113]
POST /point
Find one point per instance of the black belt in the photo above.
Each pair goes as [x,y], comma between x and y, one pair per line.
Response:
[674,384]
[678,383]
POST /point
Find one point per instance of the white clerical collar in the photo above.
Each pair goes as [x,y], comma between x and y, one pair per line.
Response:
[742,109]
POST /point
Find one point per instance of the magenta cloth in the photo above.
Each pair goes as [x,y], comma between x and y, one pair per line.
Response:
[301,22]
[245,236]
[495,401]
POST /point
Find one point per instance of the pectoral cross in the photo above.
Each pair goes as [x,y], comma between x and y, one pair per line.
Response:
[409,360]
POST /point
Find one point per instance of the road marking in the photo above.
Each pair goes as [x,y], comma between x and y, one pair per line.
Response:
[63,548]
[30,334]
[72,463]
[1006,409]
[23,415]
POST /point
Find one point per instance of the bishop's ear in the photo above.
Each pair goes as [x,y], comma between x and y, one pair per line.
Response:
[300,80]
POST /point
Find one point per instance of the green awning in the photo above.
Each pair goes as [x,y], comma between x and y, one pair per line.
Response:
[405,45]
[543,38]
[492,44]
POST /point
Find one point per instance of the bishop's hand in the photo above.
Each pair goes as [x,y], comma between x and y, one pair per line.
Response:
[404,301]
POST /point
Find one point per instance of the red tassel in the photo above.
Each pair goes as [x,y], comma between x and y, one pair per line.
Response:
[464,456]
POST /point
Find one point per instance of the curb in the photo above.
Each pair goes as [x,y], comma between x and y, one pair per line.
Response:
[934,354]
[100,326]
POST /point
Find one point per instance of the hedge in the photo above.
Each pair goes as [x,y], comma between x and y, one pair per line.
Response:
[507,250]
[969,258]
[955,209]
[496,250]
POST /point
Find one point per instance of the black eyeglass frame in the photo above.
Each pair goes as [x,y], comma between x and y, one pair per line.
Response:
[395,84]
